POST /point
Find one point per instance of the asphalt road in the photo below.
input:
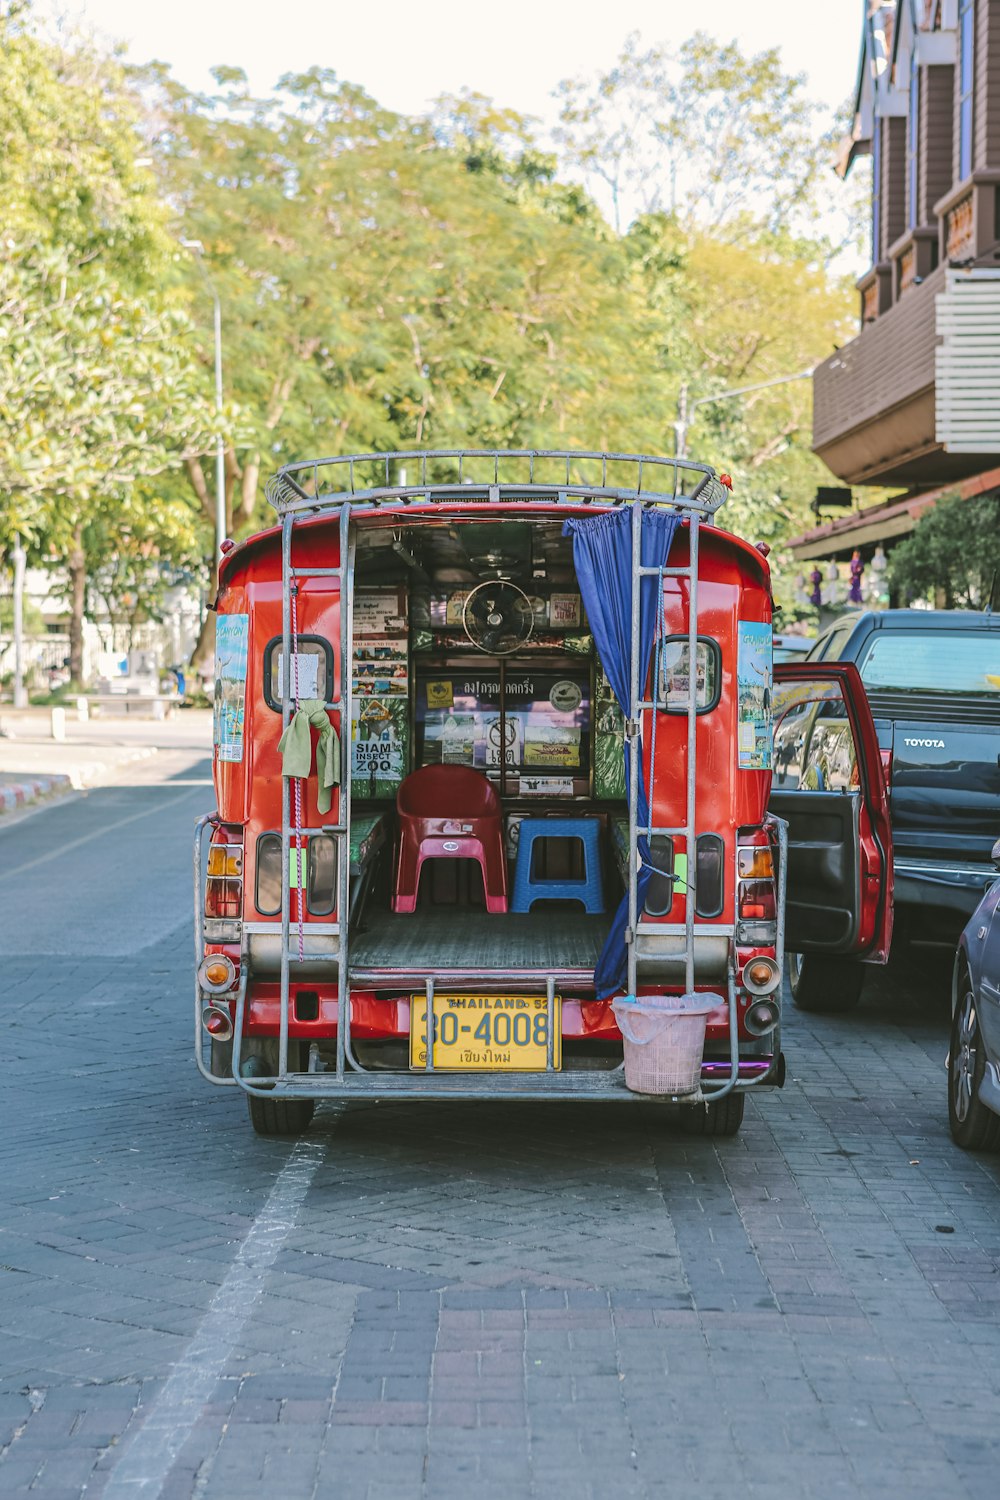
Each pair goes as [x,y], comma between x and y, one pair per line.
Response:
[458,1301]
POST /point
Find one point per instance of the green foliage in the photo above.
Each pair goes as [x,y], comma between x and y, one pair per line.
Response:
[71,175]
[99,392]
[388,283]
[954,550]
[713,136]
[393,284]
[32,618]
[96,394]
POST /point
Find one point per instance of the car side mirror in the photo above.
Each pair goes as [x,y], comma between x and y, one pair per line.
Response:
[995,854]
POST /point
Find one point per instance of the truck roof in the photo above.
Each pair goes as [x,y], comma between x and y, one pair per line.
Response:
[920,619]
[493,482]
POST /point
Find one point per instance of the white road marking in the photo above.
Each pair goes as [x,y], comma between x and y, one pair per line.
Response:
[98,833]
[148,1457]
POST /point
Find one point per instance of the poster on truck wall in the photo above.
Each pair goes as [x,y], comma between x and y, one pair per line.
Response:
[232,632]
[379,745]
[753,690]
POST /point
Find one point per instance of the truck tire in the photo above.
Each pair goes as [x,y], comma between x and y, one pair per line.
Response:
[222,1059]
[723,1117]
[280,1116]
[822,983]
[973,1126]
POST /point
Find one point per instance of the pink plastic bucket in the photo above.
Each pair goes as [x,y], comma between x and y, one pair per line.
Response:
[664,1040]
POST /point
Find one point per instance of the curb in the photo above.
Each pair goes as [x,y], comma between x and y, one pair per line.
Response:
[22,793]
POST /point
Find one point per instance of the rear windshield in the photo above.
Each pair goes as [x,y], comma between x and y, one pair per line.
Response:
[934,660]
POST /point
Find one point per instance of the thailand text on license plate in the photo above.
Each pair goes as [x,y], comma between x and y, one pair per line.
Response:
[480,1033]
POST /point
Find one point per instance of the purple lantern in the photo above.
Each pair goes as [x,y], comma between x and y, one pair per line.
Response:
[816,579]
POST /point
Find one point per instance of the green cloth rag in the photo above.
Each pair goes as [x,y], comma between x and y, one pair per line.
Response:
[296,749]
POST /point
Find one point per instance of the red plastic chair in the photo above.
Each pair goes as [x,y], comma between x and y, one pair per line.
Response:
[449,812]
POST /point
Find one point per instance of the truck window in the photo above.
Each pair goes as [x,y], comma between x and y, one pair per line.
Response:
[831,647]
[674,673]
[315,664]
[319,869]
[814,749]
[942,661]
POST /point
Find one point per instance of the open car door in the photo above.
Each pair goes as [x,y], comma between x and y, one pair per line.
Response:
[828,785]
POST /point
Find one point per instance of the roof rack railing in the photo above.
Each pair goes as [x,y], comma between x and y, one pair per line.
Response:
[492,474]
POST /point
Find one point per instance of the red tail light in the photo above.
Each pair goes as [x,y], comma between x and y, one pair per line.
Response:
[886,756]
[224,881]
[756,900]
[755,886]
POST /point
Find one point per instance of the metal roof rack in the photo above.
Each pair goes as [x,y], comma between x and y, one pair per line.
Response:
[493,475]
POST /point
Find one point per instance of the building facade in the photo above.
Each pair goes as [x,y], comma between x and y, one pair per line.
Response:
[911,402]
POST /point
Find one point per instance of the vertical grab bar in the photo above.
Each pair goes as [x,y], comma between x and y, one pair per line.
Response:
[692,750]
[632,729]
[344,1050]
[286,691]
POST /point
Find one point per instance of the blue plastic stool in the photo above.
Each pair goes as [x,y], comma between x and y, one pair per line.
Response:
[529,888]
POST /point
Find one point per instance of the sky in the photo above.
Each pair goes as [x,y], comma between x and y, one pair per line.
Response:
[406,52]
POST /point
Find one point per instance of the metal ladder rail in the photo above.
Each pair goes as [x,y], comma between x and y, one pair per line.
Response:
[640,706]
[340,704]
[345,1052]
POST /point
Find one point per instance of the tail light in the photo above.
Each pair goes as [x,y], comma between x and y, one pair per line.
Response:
[216,973]
[224,881]
[756,902]
[886,758]
[761,1017]
[761,975]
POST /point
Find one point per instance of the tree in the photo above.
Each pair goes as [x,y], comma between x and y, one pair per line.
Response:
[733,315]
[98,397]
[953,551]
[393,284]
[97,388]
[710,135]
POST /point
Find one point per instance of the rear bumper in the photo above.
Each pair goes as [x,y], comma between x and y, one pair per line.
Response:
[951,889]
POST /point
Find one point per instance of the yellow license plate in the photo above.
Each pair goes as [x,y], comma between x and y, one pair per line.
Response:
[486,1033]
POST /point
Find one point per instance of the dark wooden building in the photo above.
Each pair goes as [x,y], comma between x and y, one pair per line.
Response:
[914,399]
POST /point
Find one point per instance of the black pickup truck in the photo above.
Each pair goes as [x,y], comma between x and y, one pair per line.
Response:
[933,683]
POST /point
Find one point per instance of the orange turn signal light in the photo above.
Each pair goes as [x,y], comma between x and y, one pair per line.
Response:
[761,975]
[216,972]
[753,863]
[224,860]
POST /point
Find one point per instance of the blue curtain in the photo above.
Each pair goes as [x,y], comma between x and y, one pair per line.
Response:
[602,556]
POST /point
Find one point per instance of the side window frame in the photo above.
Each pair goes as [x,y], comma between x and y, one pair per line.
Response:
[274,645]
[308,869]
[714,656]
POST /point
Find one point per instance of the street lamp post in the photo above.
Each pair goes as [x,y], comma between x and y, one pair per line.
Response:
[18,557]
[687,408]
[220,448]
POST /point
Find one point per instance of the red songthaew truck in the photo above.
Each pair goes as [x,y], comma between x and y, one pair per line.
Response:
[493,744]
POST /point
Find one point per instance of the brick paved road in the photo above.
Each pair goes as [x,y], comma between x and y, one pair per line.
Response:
[459,1301]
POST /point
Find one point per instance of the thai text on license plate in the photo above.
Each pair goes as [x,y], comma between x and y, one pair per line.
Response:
[482,1033]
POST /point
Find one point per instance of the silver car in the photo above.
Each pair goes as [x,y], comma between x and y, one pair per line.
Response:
[974,1053]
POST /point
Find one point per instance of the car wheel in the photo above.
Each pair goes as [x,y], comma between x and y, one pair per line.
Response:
[723,1117]
[280,1116]
[824,984]
[973,1126]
